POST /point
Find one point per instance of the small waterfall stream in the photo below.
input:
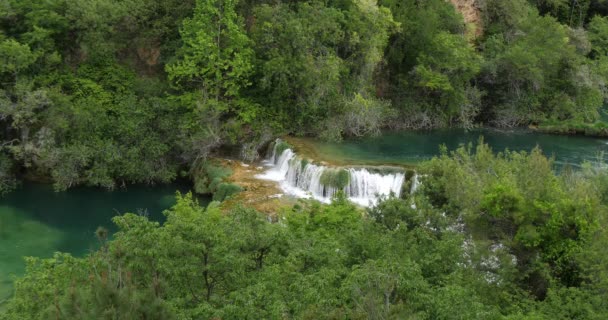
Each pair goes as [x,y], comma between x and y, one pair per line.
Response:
[300,178]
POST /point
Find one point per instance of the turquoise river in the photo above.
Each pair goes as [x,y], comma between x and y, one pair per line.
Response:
[410,147]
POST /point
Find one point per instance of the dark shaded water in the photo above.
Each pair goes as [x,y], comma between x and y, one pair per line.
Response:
[36,221]
[415,146]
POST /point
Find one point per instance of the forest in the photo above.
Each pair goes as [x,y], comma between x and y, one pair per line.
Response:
[109,93]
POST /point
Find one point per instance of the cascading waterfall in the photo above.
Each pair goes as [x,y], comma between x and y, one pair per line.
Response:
[302,179]
[415,183]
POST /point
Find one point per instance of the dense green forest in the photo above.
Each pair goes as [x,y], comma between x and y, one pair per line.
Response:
[112,92]
[109,92]
[485,237]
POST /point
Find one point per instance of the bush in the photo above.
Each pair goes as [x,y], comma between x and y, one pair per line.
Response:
[516,199]
[282,146]
[225,190]
[362,117]
[596,129]
[209,176]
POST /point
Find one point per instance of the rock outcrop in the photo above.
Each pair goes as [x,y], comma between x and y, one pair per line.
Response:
[471,11]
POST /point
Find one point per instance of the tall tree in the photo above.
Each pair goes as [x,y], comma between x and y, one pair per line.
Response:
[216,55]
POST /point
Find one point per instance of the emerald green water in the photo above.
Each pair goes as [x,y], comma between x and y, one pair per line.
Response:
[414,146]
[36,221]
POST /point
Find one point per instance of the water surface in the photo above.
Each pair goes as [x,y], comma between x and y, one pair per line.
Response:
[36,221]
[411,147]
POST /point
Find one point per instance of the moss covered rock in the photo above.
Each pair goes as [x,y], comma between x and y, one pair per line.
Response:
[335,178]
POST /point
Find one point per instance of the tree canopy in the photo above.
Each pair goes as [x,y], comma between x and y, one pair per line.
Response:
[110,92]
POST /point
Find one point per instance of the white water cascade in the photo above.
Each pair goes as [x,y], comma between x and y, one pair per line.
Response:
[300,178]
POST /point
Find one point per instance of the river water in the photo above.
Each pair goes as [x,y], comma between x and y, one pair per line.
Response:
[411,147]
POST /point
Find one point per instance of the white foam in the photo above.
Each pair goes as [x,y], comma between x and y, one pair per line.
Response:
[303,180]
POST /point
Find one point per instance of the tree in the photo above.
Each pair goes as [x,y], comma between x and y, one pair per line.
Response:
[14,56]
[516,199]
[216,55]
[430,66]
[446,71]
[534,70]
[569,12]
[298,71]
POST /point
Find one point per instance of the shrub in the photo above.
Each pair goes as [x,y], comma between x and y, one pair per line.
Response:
[282,146]
[225,190]
[209,176]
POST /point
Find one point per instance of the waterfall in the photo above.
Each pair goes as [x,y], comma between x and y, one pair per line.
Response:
[300,178]
[415,184]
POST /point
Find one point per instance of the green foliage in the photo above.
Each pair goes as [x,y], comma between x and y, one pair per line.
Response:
[516,199]
[14,56]
[361,117]
[216,54]
[394,213]
[571,13]
[447,69]
[8,181]
[597,129]
[335,178]
[430,66]
[536,69]
[225,190]
[71,102]
[109,92]
[281,146]
[313,56]
[110,298]
[598,35]
[208,176]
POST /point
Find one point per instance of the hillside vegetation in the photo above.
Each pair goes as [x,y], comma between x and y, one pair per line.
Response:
[109,92]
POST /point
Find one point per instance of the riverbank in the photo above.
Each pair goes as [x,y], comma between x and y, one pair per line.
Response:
[395,151]
[262,195]
[409,148]
[598,129]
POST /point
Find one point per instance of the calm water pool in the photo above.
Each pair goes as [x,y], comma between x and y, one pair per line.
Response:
[415,146]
